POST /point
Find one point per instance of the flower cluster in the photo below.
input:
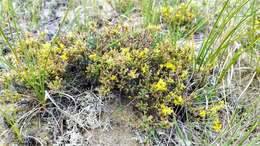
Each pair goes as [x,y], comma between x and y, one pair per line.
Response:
[211,112]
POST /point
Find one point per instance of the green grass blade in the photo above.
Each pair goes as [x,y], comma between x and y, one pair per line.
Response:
[247,134]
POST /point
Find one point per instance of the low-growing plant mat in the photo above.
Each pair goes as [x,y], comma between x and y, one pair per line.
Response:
[129,72]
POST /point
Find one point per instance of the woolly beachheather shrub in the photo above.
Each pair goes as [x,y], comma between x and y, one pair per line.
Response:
[154,77]
[183,16]
[39,65]
[148,69]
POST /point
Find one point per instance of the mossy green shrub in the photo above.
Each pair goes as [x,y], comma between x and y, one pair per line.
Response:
[118,35]
[38,65]
[122,6]
[154,77]
[155,74]
[182,18]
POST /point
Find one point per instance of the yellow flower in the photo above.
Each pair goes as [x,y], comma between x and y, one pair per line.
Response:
[190,16]
[161,66]
[29,41]
[64,57]
[161,85]
[93,57]
[61,45]
[170,66]
[202,113]
[166,12]
[132,73]
[78,43]
[126,53]
[125,50]
[181,86]
[166,110]
[184,75]
[110,61]
[170,80]
[157,51]
[219,106]
[145,69]
[217,126]
[143,53]
[46,46]
[113,78]
[55,84]
[178,14]
[59,49]
[44,53]
[178,100]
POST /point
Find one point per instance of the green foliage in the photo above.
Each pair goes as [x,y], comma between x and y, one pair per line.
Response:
[149,12]
[209,54]
[179,19]
[153,77]
[123,6]
[38,65]
[11,121]
[146,66]
[153,73]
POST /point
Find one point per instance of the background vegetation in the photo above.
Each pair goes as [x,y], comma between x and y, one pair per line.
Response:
[187,68]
